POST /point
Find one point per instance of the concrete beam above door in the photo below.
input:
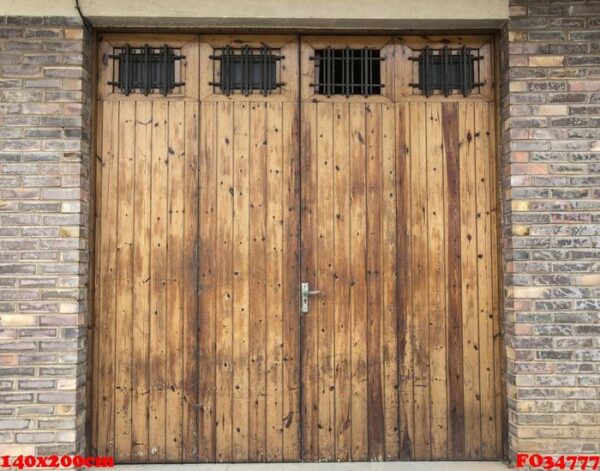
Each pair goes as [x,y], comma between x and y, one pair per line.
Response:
[334,14]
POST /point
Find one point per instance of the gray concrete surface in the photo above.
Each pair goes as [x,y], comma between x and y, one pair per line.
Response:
[395,466]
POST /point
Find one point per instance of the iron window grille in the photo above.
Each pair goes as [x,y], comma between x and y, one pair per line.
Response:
[146,69]
[247,69]
[448,69]
[348,71]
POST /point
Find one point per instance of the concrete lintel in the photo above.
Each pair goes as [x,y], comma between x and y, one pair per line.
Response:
[296,24]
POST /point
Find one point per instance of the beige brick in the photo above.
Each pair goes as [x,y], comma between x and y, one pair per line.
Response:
[73,33]
[516,36]
[517,10]
[18,320]
[69,308]
[546,61]
[520,230]
[519,205]
[66,384]
[532,292]
[550,110]
[587,280]
[68,232]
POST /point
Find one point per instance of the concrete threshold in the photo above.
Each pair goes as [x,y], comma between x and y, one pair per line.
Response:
[389,466]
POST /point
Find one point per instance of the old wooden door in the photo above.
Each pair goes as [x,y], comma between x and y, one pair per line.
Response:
[400,348]
[249,377]
[216,201]
[145,347]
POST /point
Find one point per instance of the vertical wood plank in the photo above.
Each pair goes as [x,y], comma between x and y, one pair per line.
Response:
[274,275]
[437,293]
[208,286]
[257,414]
[500,403]
[174,330]
[456,430]
[224,304]
[420,268]
[309,380]
[124,286]
[241,288]
[358,293]
[469,281]
[323,304]
[291,319]
[406,419]
[141,281]
[389,281]
[108,250]
[373,164]
[158,273]
[190,286]
[343,380]
[484,280]
[98,211]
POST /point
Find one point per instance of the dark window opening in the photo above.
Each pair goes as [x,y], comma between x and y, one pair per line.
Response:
[348,71]
[448,69]
[146,69]
[246,69]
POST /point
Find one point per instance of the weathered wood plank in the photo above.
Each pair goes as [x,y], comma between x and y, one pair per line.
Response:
[456,430]
[500,403]
[309,382]
[124,282]
[469,281]
[343,379]
[175,239]
[406,418]
[141,281]
[374,314]
[207,272]
[190,286]
[323,304]
[358,285]
[274,276]
[258,333]
[484,281]
[108,250]
[224,304]
[420,268]
[389,282]
[158,293]
[291,315]
[437,273]
[241,282]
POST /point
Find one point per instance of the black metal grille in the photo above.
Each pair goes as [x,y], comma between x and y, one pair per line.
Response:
[247,69]
[448,69]
[146,69]
[348,71]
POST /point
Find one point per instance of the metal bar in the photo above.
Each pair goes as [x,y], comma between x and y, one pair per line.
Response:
[363,90]
[351,56]
[370,71]
[333,59]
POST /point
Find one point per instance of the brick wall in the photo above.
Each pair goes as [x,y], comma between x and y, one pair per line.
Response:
[551,231]
[44,177]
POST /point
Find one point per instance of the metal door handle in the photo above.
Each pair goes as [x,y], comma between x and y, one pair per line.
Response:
[305,292]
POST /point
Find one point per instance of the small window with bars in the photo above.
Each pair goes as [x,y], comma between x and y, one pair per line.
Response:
[147,69]
[246,69]
[447,69]
[348,71]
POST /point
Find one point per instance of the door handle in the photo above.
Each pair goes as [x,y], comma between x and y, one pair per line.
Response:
[305,292]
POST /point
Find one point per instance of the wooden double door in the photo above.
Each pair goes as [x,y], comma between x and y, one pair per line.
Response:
[213,208]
